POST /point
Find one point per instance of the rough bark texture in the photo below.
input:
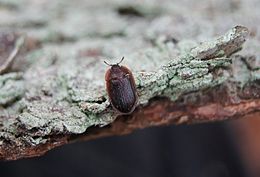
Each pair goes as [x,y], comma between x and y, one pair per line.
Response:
[55,91]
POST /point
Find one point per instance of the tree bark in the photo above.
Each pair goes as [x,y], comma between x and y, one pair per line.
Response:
[55,94]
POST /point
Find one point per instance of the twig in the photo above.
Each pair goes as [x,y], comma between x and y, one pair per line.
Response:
[9,61]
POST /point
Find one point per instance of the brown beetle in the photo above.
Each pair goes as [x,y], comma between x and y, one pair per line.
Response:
[121,88]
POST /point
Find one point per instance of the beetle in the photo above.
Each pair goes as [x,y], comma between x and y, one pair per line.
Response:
[121,88]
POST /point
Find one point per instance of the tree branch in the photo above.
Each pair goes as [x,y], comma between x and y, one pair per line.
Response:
[69,102]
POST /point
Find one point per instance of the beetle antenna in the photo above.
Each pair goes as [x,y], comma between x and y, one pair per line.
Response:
[121,60]
[116,63]
[107,63]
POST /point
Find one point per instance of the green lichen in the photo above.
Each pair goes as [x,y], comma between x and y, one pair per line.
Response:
[11,88]
[255,75]
[61,94]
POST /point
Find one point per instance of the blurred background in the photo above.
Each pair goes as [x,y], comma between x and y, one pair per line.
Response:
[99,28]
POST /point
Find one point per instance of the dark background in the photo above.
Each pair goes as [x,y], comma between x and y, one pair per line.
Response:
[205,150]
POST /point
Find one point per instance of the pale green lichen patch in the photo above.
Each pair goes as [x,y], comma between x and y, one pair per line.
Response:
[218,48]
[94,107]
[255,75]
[47,118]
[12,87]
[180,76]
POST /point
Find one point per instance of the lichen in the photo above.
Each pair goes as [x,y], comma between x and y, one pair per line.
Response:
[11,88]
[62,90]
